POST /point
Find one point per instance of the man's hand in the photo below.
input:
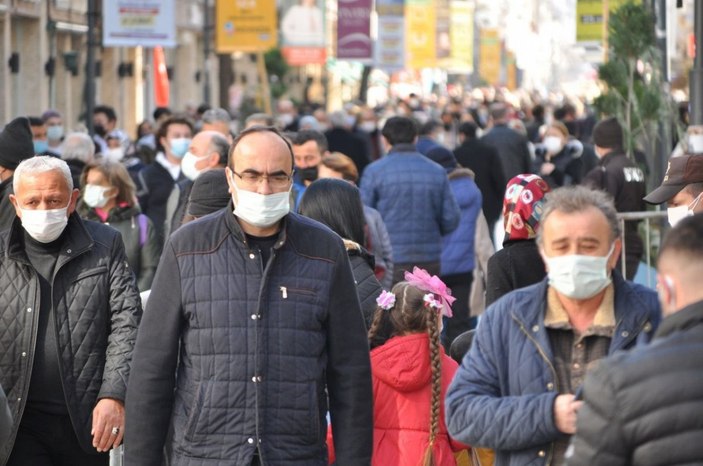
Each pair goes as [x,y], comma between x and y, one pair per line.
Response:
[108,417]
[565,410]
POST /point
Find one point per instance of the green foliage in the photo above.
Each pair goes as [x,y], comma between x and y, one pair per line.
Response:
[631,31]
[633,91]
[276,68]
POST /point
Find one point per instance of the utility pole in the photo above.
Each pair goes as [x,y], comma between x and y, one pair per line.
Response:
[207,39]
[663,145]
[90,67]
[696,77]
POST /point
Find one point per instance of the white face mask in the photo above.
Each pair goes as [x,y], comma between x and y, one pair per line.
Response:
[261,210]
[676,214]
[553,144]
[695,143]
[45,225]
[368,126]
[188,166]
[94,195]
[579,277]
[114,154]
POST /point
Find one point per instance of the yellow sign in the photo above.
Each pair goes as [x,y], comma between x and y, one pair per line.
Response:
[510,71]
[461,34]
[420,34]
[245,25]
[589,18]
[489,56]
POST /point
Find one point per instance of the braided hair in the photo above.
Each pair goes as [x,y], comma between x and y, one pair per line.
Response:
[411,314]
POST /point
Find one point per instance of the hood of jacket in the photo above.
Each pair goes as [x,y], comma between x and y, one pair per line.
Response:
[403,362]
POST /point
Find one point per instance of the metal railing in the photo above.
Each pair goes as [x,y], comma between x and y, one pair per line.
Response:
[647,218]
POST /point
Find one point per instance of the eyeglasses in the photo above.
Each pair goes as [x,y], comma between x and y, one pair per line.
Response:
[276,181]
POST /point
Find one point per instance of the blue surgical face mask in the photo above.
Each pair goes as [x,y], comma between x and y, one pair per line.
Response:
[577,276]
[54,133]
[179,146]
[40,146]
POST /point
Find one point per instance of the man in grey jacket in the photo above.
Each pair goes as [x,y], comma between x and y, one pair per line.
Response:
[252,329]
[69,309]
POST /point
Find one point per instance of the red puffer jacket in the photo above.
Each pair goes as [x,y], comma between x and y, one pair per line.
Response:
[402,396]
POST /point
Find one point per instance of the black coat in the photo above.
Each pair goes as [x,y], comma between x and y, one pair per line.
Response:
[97,310]
[351,145]
[484,161]
[258,351]
[367,285]
[7,210]
[624,180]
[515,266]
[154,188]
[512,150]
[645,407]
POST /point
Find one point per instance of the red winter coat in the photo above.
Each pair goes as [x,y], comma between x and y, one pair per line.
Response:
[402,397]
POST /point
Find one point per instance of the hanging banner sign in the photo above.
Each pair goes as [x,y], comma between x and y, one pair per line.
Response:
[354,30]
[303,32]
[245,26]
[390,49]
[461,35]
[146,23]
[420,34]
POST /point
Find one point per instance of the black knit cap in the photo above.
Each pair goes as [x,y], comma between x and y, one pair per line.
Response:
[608,134]
[16,143]
[210,193]
[442,156]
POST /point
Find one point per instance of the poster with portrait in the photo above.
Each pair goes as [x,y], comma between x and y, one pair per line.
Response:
[303,31]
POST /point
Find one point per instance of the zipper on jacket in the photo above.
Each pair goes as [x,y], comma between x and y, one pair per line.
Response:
[264,280]
[548,459]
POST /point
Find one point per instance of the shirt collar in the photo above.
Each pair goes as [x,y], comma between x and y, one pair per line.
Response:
[603,323]
[173,169]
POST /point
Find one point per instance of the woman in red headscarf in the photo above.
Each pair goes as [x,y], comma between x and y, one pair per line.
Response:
[519,263]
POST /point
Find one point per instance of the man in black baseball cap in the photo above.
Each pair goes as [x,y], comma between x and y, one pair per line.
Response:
[15,146]
[681,189]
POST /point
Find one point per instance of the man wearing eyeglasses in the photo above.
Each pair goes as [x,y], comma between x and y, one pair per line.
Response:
[254,308]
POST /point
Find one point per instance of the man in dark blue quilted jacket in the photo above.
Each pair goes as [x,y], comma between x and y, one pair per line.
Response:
[252,333]
[515,391]
[412,194]
[69,308]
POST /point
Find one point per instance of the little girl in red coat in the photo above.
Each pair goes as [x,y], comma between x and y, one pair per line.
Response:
[411,373]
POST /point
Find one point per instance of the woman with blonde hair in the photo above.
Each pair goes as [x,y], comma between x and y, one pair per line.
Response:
[108,196]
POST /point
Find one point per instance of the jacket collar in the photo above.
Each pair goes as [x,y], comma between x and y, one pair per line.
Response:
[689,316]
[611,155]
[76,241]
[628,324]
[403,147]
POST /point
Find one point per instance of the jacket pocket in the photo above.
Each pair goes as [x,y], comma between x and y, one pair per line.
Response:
[91,272]
[196,411]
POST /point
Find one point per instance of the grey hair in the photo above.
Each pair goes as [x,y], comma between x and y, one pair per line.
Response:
[338,119]
[78,146]
[219,144]
[216,114]
[572,199]
[41,164]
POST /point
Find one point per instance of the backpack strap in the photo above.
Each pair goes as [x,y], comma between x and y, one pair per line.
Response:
[143,226]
